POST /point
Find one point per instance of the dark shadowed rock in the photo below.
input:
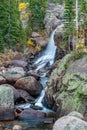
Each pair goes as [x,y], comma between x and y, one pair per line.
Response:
[30,114]
[36,76]
[30,84]
[25,95]
[2,80]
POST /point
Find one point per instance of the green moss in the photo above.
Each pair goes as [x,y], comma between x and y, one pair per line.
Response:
[72,88]
[64,63]
[77,54]
[68,127]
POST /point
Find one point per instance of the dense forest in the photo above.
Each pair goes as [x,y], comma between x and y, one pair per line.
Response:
[13,33]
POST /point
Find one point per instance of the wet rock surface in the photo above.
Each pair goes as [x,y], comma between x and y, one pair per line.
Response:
[30,114]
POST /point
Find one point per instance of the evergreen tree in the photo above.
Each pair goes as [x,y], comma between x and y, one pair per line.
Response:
[11,31]
[83,17]
[69,16]
[37,12]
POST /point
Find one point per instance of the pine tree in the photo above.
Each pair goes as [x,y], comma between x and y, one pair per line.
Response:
[11,31]
[69,16]
[37,12]
[83,17]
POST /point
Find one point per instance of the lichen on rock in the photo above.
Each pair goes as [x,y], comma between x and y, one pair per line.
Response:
[70,86]
[64,63]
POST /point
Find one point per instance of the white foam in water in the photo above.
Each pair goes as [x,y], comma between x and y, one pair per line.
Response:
[47,56]
[49,53]
[23,106]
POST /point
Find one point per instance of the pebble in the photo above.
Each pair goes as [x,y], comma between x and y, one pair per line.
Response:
[17,127]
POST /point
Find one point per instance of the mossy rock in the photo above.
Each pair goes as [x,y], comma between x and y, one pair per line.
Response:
[74,87]
[6,97]
[84,91]
[63,65]
[69,80]
[71,102]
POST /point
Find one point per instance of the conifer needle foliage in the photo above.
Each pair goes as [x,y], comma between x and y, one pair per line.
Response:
[11,31]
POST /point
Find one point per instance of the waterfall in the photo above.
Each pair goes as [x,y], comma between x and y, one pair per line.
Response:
[48,55]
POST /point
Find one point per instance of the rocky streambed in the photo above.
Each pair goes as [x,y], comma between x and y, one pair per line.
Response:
[19,92]
[23,80]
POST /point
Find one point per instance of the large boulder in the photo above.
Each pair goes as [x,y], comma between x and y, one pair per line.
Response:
[15,92]
[30,84]
[67,86]
[20,95]
[30,114]
[53,17]
[38,40]
[70,123]
[13,74]
[19,63]
[6,103]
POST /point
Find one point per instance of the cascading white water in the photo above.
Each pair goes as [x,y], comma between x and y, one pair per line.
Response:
[48,55]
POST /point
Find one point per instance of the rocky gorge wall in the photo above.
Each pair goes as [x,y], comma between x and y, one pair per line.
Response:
[67,86]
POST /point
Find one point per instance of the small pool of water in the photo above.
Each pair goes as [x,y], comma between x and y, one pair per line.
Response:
[27,125]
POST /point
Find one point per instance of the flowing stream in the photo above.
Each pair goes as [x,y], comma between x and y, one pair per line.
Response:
[45,58]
